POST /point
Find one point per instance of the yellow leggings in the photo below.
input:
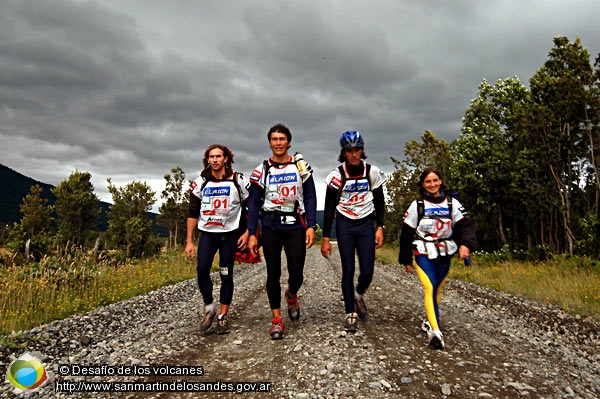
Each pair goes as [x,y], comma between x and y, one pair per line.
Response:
[433,274]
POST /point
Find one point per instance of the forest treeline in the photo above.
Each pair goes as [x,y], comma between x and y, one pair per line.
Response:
[526,162]
[525,166]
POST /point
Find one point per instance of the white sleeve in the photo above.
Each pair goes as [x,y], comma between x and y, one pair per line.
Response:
[307,173]
[377,177]
[257,174]
[411,216]
[458,211]
[196,187]
[244,185]
[334,179]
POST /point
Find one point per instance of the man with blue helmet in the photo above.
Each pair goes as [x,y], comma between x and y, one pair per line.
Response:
[356,200]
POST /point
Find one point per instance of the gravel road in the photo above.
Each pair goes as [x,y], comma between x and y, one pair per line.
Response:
[497,345]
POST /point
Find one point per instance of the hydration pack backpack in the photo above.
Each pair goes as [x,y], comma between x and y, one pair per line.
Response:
[346,178]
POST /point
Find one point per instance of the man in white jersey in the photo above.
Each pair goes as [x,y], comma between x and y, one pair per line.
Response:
[283,197]
[218,209]
[355,198]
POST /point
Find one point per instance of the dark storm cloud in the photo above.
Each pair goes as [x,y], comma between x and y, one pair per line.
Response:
[131,89]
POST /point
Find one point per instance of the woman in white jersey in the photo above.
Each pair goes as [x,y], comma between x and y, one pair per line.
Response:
[435,227]
[355,198]
[217,208]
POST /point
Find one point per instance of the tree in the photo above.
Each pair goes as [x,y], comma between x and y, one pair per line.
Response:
[37,214]
[35,227]
[560,90]
[172,211]
[77,207]
[128,222]
[592,127]
[402,185]
[484,158]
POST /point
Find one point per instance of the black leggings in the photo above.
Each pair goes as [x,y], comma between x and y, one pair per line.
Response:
[355,236]
[226,244]
[292,241]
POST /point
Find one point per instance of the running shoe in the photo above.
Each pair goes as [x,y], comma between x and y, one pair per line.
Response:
[425,326]
[293,307]
[436,339]
[361,307]
[277,328]
[209,316]
[222,324]
[351,323]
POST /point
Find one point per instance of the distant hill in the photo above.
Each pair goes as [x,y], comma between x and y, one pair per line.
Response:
[16,186]
[13,189]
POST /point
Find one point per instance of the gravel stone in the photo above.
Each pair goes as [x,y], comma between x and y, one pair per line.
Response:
[497,345]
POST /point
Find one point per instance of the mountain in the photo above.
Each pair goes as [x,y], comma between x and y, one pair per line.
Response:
[16,186]
[13,189]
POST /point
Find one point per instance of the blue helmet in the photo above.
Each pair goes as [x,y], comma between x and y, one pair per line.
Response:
[351,138]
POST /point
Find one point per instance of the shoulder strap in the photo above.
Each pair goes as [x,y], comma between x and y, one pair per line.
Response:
[345,178]
[204,183]
[421,207]
[343,173]
[236,176]
[343,183]
[234,180]
[266,167]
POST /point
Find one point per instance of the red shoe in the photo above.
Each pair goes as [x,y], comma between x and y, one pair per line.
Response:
[293,307]
[277,328]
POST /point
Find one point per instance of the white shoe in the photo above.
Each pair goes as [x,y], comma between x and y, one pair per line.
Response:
[425,326]
[436,339]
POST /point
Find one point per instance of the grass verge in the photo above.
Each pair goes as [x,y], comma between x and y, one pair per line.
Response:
[572,284]
[38,293]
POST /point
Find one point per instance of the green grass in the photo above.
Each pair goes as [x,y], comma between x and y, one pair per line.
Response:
[53,289]
[572,284]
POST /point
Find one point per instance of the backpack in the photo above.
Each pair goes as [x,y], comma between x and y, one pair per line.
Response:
[267,166]
[421,207]
[345,178]
[297,158]
[234,180]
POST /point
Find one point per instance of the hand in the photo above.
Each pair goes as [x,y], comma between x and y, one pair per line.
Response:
[243,241]
[409,268]
[310,237]
[253,245]
[379,237]
[326,247]
[190,251]
[464,252]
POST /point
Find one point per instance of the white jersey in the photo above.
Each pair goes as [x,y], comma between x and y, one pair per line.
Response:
[436,226]
[356,196]
[283,185]
[220,209]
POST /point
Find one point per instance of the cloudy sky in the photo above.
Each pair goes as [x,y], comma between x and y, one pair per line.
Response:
[129,89]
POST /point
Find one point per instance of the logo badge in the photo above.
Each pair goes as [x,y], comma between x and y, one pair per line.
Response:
[26,373]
